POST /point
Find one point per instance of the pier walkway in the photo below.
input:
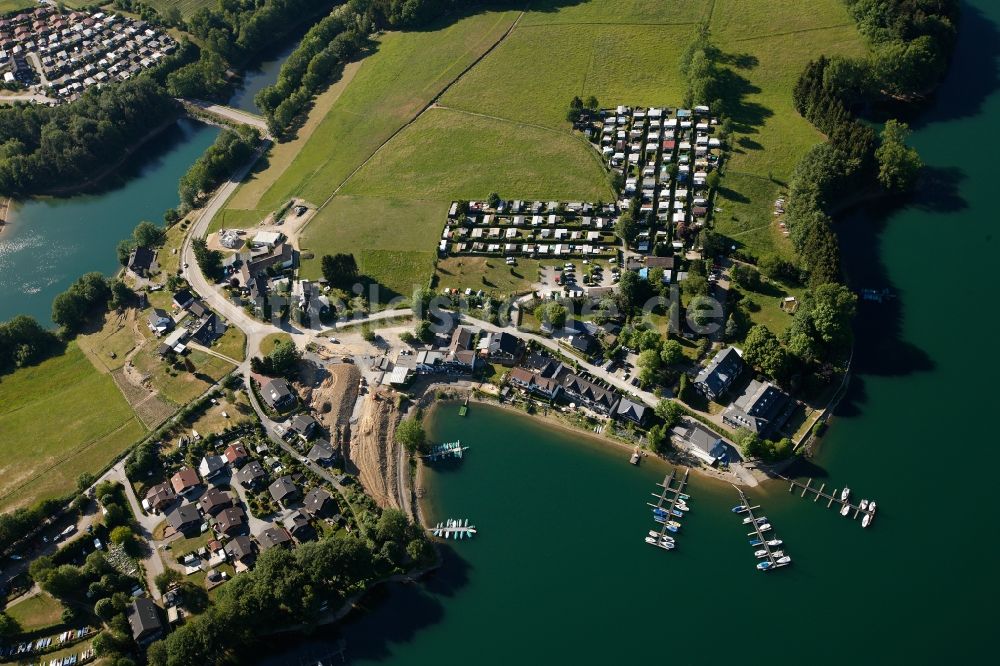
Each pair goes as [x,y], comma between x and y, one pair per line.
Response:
[454,529]
[671,504]
[774,559]
[845,507]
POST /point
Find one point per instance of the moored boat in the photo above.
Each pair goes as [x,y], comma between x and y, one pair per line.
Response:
[844,494]
[651,541]
[676,513]
[775,542]
[739,508]
[674,524]
[764,566]
[683,496]
[846,509]
[866,520]
[756,542]
[871,507]
[863,505]
[760,553]
[765,527]
[784,560]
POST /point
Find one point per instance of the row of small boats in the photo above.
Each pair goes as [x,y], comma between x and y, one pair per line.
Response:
[771,559]
[665,516]
[866,507]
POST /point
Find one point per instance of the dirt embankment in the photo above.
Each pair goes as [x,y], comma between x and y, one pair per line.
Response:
[333,400]
[373,448]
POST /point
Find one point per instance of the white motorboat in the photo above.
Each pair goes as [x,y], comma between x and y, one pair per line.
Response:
[666,539]
[765,527]
[652,541]
[774,542]
[784,560]
[760,553]
[863,504]
[866,520]
[871,507]
[846,509]
[844,494]
[682,506]
[778,554]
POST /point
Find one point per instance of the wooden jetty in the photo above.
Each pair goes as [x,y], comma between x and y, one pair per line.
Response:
[464,409]
[853,510]
[668,499]
[756,522]
[453,529]
[446,450]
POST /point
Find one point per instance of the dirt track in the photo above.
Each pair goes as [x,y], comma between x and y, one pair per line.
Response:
[373,448]
[333,400]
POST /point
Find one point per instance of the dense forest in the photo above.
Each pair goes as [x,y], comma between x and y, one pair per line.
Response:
[47,148]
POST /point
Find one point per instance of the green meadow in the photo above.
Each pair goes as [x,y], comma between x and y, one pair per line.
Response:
[59,419]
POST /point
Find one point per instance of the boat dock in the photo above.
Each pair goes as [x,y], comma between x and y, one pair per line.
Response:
[844,507]
[453,529]
[772,555]
[446,450]
[671,504]
[464,409]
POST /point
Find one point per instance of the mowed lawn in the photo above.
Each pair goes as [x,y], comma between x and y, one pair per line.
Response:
[58,419]
[394,241]
[405,72]
[10,6]
[535,73]
[629,12]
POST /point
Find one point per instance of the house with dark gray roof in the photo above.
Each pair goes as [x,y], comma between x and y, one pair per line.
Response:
[302,425]
[183,298]
[318,502]
[144,619]
[252,475]
[761,409]
[502,348]
[142,261]
[321,452]
[298,525]
[241,549]
[274,536]
[636,412]
[283,489]
[277,394]
[701,441]
[590,395]
[184,517]
[720,373]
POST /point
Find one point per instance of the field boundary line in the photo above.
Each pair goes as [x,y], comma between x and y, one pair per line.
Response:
[625,24]
[72,454]
[792,32]
[414,119]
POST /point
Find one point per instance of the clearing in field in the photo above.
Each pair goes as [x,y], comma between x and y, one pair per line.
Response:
[52,431]
[11,6]
[36,613]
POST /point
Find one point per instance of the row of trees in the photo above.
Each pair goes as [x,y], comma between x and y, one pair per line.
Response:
[282,361]
[88,297]
[231,149]
[24,342]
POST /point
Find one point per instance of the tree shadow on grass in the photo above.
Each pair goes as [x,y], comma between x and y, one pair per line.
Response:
[729,194]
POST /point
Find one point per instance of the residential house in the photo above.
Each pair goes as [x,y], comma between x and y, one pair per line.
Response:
[636,412]
[144,619]
[283,490]
[252,475]
[701,441]
[716,378]
[502,348]
[277,394]
[236,455]
[231,521]
[761,409]
[183,298]
[462,339]
[318,502]
[184,517]
[211,466]
[160,496]
[596,398]
[208,327]
[142,262]
[321,453]
[214,501]
[185,481]
[274,536]
[302,425]
[298,525]
[159,321]
[241,550]
[534,383]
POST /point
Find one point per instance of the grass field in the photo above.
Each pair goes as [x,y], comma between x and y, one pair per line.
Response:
[490,275]
[38,612]
[52,431]
[233,344]
[180,387]
[268,344]
[383,234]
[10,6]
[186,7]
